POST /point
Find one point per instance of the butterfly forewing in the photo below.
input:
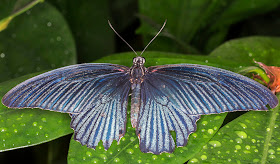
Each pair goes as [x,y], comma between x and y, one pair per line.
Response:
[205,90]
[68,89]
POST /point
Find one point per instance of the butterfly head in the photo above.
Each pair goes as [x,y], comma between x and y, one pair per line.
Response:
[138,61]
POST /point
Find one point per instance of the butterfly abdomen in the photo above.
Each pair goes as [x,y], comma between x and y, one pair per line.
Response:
[135,103]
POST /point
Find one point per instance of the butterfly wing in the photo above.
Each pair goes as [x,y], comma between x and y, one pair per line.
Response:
[174,96]
[94,94]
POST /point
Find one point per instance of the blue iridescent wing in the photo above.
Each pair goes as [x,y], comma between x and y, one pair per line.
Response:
[94,94]
[174,96]
[69,89]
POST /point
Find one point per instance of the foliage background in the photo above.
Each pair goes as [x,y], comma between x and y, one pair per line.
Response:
[36,36]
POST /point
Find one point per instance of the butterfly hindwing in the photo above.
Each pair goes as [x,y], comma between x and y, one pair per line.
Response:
[158,117]
[106,119]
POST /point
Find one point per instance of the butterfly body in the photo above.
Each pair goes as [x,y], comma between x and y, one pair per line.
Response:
[137,73]
[164,98]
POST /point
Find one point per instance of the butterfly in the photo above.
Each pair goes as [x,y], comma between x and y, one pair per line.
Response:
[163,98]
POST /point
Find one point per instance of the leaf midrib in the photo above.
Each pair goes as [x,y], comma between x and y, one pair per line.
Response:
[269,133]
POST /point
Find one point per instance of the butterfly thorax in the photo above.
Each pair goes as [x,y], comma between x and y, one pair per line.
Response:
[137,71]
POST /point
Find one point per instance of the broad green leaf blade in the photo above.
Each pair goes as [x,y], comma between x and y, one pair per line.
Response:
[245,50]
[200,24]
[251,138]
[27,127]
[37,40]
[88,21]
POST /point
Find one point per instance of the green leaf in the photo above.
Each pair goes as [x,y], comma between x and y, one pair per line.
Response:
[37,40]
[27,127]
[251,138]
[245,50]
[200,24]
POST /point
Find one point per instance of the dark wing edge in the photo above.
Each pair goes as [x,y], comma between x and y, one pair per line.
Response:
[68,89]
[106,120]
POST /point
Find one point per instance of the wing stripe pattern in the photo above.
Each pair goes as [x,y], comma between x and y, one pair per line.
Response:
[208,99]
[246,95]
[75,95]
[37,93]
[236,95]
[157,118]
[250,94]
[221,105]
[149,141]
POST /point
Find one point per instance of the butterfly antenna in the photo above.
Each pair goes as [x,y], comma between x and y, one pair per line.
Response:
[121,38]
[154,37]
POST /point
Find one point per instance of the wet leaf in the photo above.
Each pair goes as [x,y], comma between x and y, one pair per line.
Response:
[251,138]
[246,50]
